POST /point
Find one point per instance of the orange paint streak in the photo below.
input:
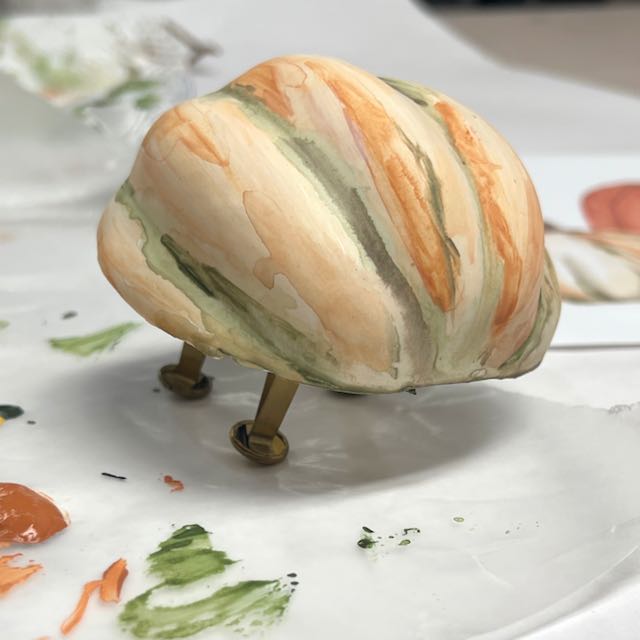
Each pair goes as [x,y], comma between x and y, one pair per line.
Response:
[112,580]
[12,576]
[483,170]
[176,485]
[401,191]
[78,613]
[27,516]
[110,586]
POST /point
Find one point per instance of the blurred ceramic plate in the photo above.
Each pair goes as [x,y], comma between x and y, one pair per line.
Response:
[77,95]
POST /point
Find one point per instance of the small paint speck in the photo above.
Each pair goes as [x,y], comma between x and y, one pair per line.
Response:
[156,389]
[176,485]
[31,421]
[295,583]
[367,530]
[292,575]
[366,542]
[404,543]
[458,519]
[507,532]
[69,314]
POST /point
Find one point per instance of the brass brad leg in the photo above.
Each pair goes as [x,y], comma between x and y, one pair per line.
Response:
[259,439]
[186,378]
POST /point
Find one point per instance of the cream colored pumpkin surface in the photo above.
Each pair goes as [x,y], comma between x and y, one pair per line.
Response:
[337,229]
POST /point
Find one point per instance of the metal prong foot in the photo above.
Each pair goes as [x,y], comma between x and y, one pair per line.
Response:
[186,378]
[259,439]
[275,451]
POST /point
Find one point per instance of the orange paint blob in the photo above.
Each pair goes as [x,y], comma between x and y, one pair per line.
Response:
[110,586]
[27,516]
[11,576]
[112,581]
[176,485]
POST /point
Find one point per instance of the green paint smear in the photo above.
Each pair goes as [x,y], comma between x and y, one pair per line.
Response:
[186,557]
[94,342]
[3,324]
[9,411]
[458,519]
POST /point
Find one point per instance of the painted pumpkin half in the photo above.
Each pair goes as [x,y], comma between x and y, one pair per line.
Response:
[336,229]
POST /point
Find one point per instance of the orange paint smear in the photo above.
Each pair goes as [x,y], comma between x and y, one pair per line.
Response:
[11,576]
[482,170]
[112,580]
[27,516]
[110,586]
[176,485]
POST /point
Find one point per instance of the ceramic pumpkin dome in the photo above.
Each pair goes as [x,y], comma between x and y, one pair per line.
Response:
[336,229]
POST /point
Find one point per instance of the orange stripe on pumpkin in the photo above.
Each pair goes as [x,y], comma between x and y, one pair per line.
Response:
[401,191]
[267,82]
[482,170]
[187,124]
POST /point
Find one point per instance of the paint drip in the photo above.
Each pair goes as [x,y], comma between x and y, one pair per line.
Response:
[186,558]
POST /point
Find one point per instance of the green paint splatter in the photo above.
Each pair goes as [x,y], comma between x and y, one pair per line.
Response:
[94,342]
[3,324]
[187,557]
[367,541]
[9,411]
[458,519]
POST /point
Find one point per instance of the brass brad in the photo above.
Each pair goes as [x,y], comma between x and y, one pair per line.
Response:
[259,439]
[186,378]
